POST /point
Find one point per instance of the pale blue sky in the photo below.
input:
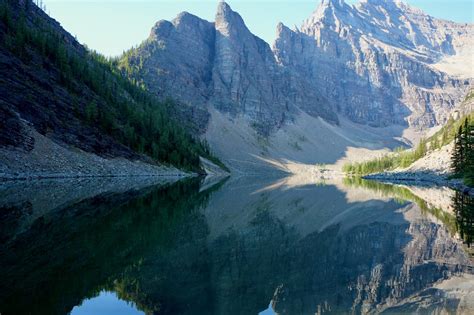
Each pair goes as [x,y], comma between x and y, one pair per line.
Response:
[112,26]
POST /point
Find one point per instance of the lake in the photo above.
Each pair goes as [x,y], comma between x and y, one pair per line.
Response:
[241,245]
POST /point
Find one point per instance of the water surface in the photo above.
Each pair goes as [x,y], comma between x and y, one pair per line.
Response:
[237,246]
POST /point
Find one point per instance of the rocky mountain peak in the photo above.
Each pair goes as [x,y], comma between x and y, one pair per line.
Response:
[329,13]
[161,29]
[329,6]
[185,22]
[388,3]
[228,20]
[381,2]
[333,3]
[371,63]
[384,8]
[337,11]
[282,29]
[185,17]
[361,42]
[223,8]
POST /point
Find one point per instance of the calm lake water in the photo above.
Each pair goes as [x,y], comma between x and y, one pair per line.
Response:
[236,246]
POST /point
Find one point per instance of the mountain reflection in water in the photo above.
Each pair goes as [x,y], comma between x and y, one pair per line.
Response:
[235,246]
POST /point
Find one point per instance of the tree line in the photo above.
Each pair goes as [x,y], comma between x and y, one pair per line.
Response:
[464,211]
[399,158]
[405,157]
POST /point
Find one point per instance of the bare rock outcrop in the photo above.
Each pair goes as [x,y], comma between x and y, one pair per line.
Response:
[374,61]
[379,63]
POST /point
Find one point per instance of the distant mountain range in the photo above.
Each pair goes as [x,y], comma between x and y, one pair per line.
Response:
[351,80]
[380,63]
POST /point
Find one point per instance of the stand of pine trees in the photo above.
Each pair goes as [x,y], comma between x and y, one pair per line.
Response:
[462,160]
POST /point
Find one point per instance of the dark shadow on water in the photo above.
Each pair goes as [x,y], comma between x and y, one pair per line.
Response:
[464,210]
[71,253]
[228,249]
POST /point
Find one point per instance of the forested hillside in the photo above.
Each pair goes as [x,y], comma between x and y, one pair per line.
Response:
[402,158]
[76,97]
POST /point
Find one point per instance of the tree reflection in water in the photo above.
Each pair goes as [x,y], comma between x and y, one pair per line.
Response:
[159,248]
[464,209]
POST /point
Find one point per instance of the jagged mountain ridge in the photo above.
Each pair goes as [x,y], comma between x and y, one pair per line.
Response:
[385,52]
[374,63]
[223,64]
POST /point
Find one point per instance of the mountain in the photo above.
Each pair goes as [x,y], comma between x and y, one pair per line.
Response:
[379,60]
[352,80]
[222,64]
[378,63]
[65,111]
[432,160]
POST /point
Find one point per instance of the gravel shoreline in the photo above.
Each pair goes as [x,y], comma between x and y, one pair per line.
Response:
[25,177]
[421,179]
[49,159]
[431,170]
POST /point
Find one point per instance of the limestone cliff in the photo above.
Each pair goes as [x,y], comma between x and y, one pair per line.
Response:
[380,62]
[377,62]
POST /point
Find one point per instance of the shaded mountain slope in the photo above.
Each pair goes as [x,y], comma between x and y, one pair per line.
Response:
[52,85]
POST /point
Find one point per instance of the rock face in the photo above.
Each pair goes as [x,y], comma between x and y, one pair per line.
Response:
[244,72]
[375,63]
[223,64]
[33,96]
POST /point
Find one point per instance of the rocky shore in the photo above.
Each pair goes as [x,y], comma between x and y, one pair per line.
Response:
[421,179]
[434,169]
[49,159]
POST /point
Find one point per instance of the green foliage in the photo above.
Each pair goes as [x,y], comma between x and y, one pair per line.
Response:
[404,158]
[119,107]
[464,210]
[399,158]
[91,112]
[462,159]
[462,222]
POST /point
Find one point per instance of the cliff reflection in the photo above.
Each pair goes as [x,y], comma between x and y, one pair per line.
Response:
[73,253]
[354,247]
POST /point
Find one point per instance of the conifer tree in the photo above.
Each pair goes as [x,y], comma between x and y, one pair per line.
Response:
[457,156]
[463,154]
[469,162]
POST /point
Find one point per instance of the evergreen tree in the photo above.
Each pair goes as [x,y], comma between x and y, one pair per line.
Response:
[469,163]
[435,144]
[463,154]
[457,156]
[464,210]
